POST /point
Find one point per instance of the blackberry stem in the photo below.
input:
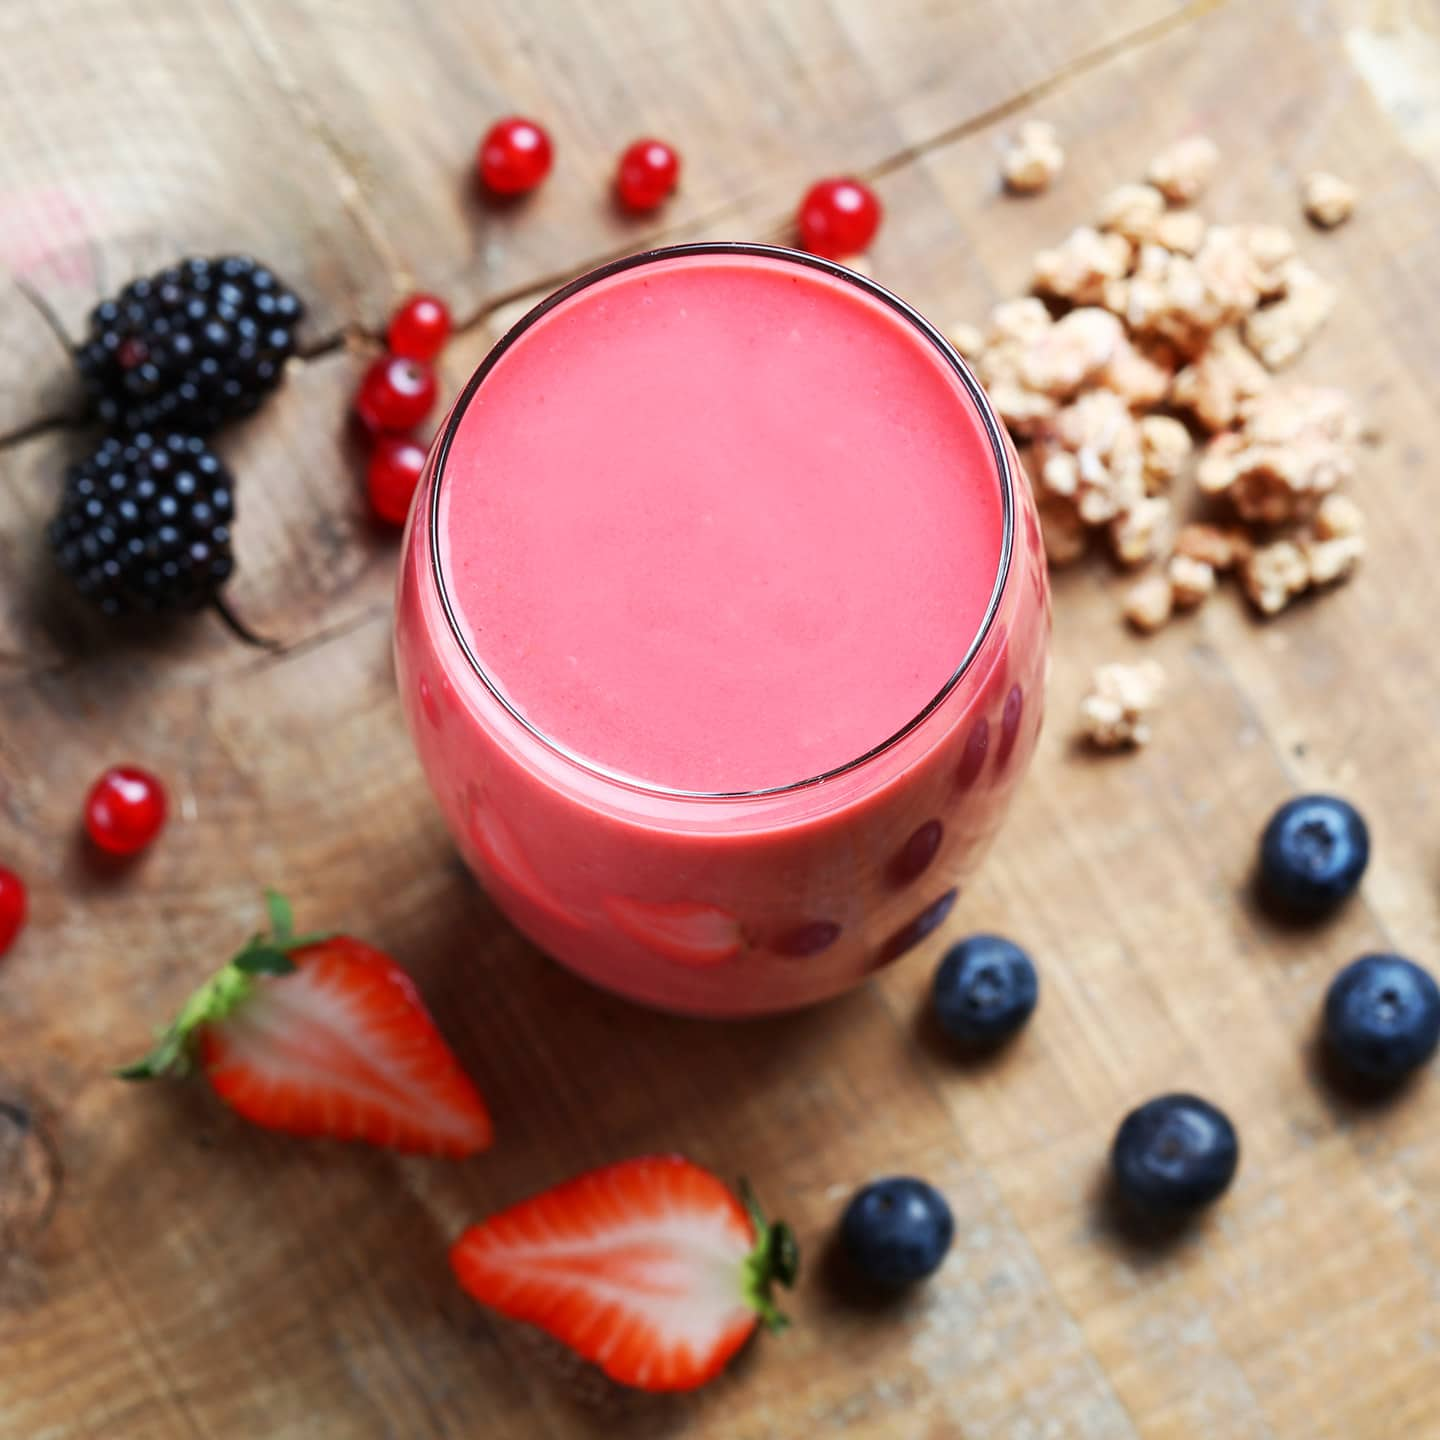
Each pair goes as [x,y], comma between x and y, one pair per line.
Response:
[239,628]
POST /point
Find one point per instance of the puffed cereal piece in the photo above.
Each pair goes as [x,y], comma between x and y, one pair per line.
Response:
[1180,231]
[1100,443]
[1025,412]
[1294,447]
[1221,547]
[1192,581]
[1033,160]
[1150,603]
[1114,715]
[1142,531]
[1141,377]
[1079,268]
[1272,248]
[1014,327]
[968,339]
[1020,319]
[1331,561]
[1182,170]
[1213,386]
[1328,200]
[1228,271]
[1338,518]
[1168,297]
[1072,351]
[1132,211]
[1165,447]
[1279,332]
[1273,575]
[1065,534]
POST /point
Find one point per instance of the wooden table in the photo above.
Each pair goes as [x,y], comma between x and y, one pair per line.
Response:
[166,1271]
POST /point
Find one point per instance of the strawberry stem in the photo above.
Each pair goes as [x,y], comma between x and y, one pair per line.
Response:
[775,1258]
[266,954]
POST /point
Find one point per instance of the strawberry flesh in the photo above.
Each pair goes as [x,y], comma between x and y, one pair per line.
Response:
[344,1048]
[651,1269]
[687,932]
[325,1036]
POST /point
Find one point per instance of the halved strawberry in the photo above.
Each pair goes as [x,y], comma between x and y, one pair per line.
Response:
[685,931]
[651,1269]
[324,1035]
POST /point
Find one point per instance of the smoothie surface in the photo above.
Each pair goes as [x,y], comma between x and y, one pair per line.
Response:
[720,523]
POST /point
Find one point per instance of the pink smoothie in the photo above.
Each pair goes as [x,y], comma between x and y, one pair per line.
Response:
[705,526]
[720,524]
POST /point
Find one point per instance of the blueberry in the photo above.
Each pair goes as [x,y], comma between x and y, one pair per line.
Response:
[984,990]
[1312,855]
[1382,1016]
[1174,1154]
[896,1231]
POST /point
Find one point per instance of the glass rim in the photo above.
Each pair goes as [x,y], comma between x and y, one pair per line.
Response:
[994,432]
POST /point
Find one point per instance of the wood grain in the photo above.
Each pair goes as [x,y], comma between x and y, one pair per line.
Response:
[169,1272]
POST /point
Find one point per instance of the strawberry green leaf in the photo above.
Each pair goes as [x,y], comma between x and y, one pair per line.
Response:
[260,958]
[282,917]
[784,1254]
[215,999]
[775,1258]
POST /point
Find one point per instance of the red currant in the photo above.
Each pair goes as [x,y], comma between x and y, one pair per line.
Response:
[125,810]
[419,328]
[648,173]
[13,905]
[514,156]
[838,218]
[395,468]
[395,394]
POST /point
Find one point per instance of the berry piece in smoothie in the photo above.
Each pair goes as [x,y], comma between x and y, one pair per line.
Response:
[649,171]
[419,328]
[395,394]
[1010,719]
[838,218]
[502,854]
[810,938]
[984,991]
[652,1269]
[929,920]
[1382,1016]
[324,1036]
[1173,1155]
[687,932]
[14,903]
[972,761]
[396,464]
[917,853]
[125,810]
[1312,855]
[515,156]
[896,1232]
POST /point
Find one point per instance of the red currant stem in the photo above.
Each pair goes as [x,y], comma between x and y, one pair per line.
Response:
[239,628]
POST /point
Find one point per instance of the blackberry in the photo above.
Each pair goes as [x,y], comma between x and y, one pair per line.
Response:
[189,347]
[144,524]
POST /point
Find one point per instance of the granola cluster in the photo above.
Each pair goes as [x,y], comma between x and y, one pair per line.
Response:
[1143,368]
[1033,160]
[1328,200]
[1114,715]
